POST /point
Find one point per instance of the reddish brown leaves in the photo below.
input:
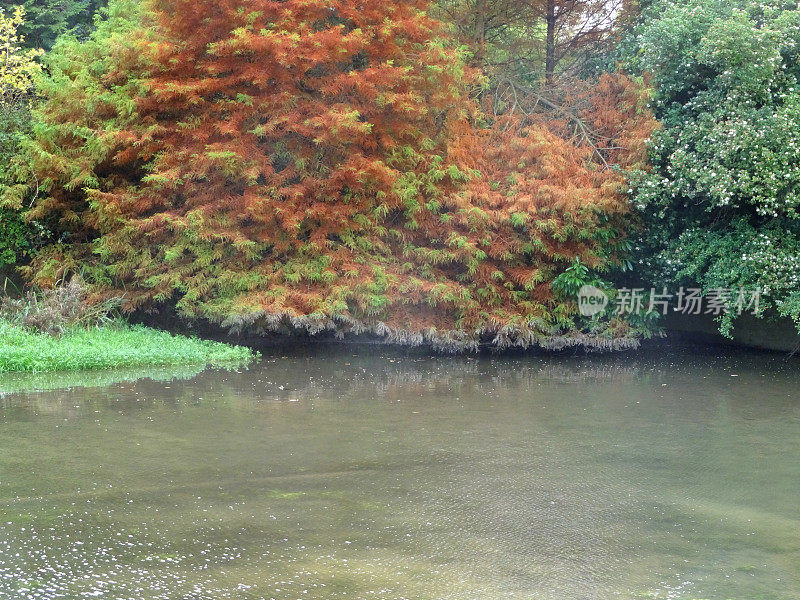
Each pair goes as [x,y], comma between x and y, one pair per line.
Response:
[321,160]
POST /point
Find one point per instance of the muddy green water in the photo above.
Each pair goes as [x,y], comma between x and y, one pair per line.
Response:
[359,475]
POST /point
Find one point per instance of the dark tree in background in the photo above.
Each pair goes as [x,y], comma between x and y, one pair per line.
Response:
[47,19]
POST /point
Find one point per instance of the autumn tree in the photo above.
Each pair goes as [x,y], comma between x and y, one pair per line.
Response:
[316,164]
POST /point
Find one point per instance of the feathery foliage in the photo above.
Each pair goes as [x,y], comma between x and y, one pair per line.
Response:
[315,164]
[18,69]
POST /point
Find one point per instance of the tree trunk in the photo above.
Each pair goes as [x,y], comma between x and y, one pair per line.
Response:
[480,32]
[550,44]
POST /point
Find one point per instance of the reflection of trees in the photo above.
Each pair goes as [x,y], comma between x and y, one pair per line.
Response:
[356,373]
[364,372]
[312,374]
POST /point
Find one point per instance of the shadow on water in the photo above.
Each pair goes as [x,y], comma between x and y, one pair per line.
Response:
[362,473]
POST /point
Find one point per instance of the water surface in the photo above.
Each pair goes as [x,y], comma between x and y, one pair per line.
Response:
[355,474]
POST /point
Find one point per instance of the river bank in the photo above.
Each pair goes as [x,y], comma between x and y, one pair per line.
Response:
[776,334]
[165,340]
[751,333]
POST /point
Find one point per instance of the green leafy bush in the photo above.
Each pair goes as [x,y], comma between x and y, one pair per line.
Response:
[18,70]
[14,238]
[16,235]
[721,203]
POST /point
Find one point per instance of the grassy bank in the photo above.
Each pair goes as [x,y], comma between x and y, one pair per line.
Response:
[109,346]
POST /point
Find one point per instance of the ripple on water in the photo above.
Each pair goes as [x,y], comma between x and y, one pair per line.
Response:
[387,476]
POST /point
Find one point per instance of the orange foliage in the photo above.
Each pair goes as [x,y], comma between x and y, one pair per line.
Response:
[318,163]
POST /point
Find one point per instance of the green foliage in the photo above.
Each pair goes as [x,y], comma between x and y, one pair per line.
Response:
[15,236]
[741,256]
[574,277]
[66,137]
[720,204]
[18,68]
[59,330]
[48,19]
[107,347]
[14,124]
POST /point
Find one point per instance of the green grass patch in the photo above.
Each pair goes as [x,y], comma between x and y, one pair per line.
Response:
[110,346]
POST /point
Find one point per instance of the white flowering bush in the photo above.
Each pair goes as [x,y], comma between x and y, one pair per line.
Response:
[721,205]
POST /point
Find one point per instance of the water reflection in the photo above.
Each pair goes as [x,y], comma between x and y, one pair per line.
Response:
[364,475]
[11,383]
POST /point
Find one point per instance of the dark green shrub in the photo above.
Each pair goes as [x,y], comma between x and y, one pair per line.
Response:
[16,236]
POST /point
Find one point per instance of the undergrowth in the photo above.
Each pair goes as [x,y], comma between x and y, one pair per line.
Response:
[57,310]
[60,329]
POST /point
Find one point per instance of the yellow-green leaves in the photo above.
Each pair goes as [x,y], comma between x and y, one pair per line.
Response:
[18,67]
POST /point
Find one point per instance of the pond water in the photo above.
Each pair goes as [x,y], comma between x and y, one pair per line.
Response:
[355,474]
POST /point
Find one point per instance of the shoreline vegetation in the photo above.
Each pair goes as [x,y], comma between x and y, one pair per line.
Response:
[63,329]
[69,328]
[446,341]
[109,346]
[345,178]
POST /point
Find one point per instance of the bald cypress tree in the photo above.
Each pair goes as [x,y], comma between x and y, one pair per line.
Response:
[322,164]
